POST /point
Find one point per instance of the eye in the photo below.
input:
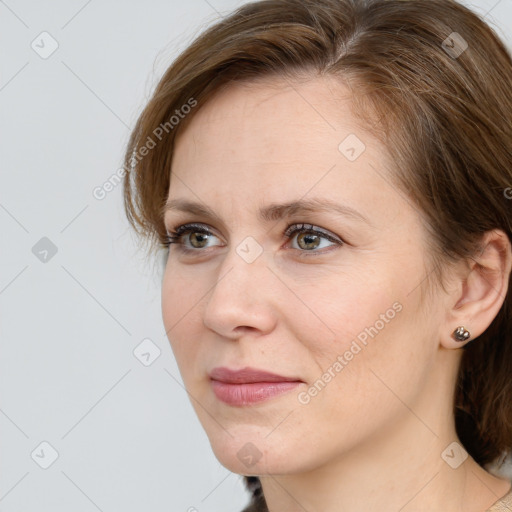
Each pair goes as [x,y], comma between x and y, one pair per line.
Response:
[309,238]
[201,236]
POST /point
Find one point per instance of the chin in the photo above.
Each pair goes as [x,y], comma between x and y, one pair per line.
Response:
[250,454]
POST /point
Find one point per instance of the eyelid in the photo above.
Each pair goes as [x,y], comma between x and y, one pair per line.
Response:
[182,228]
[300,226]
[177,232]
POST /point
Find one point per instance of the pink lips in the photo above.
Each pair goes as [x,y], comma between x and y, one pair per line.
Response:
[249,385]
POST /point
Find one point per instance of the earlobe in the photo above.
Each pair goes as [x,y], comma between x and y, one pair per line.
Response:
[481,293]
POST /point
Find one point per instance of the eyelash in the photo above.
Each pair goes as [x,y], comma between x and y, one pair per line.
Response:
[174,236]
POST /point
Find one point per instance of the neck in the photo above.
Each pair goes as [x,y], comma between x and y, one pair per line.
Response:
[413,480]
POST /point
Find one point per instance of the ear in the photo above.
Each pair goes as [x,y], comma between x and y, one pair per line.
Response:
[479,290]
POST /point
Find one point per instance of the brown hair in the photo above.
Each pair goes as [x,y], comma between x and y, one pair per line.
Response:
[443,112]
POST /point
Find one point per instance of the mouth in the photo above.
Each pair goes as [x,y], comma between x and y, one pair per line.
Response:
[249,385]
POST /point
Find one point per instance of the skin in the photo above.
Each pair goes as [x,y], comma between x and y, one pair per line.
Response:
[373,437]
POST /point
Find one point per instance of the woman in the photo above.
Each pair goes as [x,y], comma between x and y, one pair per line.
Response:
[332,182]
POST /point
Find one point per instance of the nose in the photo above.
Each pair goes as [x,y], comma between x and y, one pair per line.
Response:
[243,298]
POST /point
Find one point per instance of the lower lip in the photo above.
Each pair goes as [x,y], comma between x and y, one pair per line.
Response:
[250,393]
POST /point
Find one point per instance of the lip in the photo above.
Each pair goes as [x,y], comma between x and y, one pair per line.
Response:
[249,385]
[247,375]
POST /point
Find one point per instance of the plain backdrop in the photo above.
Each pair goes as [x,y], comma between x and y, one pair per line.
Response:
[93,415]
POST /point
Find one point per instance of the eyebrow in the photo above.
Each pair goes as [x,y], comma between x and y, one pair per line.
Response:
[274,211]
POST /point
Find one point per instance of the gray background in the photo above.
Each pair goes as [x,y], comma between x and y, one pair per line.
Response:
[126,435]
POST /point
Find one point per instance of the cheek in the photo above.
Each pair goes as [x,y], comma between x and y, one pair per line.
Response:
[353,393]
[368,330]
[343,311]
[180,315]
[182,290]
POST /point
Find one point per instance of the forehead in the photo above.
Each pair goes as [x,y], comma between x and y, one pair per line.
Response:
[277,120]
[276,110]
[253,142]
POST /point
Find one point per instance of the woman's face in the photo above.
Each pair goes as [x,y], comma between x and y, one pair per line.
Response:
[340,311]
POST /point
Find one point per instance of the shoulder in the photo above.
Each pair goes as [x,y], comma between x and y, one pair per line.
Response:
[502,467]
[503,504]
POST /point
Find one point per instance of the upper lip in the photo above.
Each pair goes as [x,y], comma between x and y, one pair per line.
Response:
[246,375]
